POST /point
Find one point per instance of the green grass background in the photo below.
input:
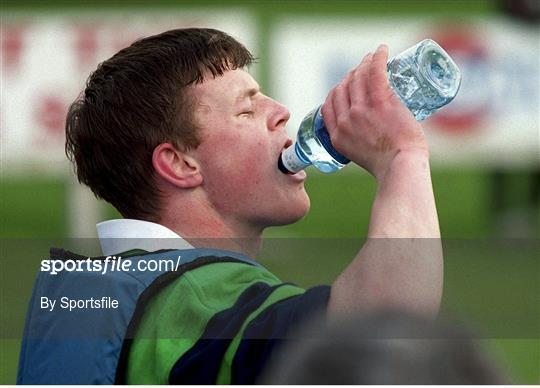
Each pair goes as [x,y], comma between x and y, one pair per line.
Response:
[491,283]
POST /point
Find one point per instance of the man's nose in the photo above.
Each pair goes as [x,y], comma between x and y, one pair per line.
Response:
[279,116]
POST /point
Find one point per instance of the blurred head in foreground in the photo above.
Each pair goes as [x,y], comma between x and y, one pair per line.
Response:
[385,348]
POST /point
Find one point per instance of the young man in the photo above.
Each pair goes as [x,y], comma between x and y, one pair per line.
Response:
[176,134]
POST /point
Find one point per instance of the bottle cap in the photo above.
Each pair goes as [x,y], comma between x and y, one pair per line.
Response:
[290,161]
[282,167]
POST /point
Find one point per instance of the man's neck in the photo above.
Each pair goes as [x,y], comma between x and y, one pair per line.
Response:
[214,233]
[195,218]
[249,247]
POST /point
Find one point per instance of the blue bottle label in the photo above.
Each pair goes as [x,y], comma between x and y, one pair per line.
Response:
[324,137]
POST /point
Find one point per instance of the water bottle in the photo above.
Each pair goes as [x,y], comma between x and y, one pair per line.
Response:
[424,77]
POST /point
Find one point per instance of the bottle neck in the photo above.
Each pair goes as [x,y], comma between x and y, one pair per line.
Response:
[292,161]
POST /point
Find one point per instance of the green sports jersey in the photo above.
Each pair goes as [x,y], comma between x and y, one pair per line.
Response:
[217,323]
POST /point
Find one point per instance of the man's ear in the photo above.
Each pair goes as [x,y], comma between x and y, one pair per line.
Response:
[176,167]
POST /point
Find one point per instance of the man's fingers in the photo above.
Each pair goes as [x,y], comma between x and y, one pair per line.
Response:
[327,110]
[341,101]
[358,85]
[378,88]
[337,101]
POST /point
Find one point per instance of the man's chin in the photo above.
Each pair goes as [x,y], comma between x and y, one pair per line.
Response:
[294,214]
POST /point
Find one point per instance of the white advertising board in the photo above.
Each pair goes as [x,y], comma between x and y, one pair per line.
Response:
[494,120]
[46,58]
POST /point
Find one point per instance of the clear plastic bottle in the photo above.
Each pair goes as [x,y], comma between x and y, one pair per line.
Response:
[423,76]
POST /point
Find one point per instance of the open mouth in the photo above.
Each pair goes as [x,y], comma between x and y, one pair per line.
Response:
[301,175]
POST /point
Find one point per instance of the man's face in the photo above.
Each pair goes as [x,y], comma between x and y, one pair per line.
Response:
[242,134]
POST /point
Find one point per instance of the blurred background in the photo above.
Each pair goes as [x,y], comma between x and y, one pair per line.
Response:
[485,145]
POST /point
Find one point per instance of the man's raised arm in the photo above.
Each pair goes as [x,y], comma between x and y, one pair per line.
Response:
[400,266]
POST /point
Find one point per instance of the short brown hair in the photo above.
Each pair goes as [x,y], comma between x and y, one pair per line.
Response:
[135,101]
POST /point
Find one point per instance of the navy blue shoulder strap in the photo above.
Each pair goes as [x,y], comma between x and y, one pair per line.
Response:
[80,323]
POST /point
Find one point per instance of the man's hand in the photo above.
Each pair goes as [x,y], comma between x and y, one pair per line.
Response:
[366,120]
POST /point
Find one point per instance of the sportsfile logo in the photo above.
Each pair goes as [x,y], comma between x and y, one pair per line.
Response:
[109,264]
